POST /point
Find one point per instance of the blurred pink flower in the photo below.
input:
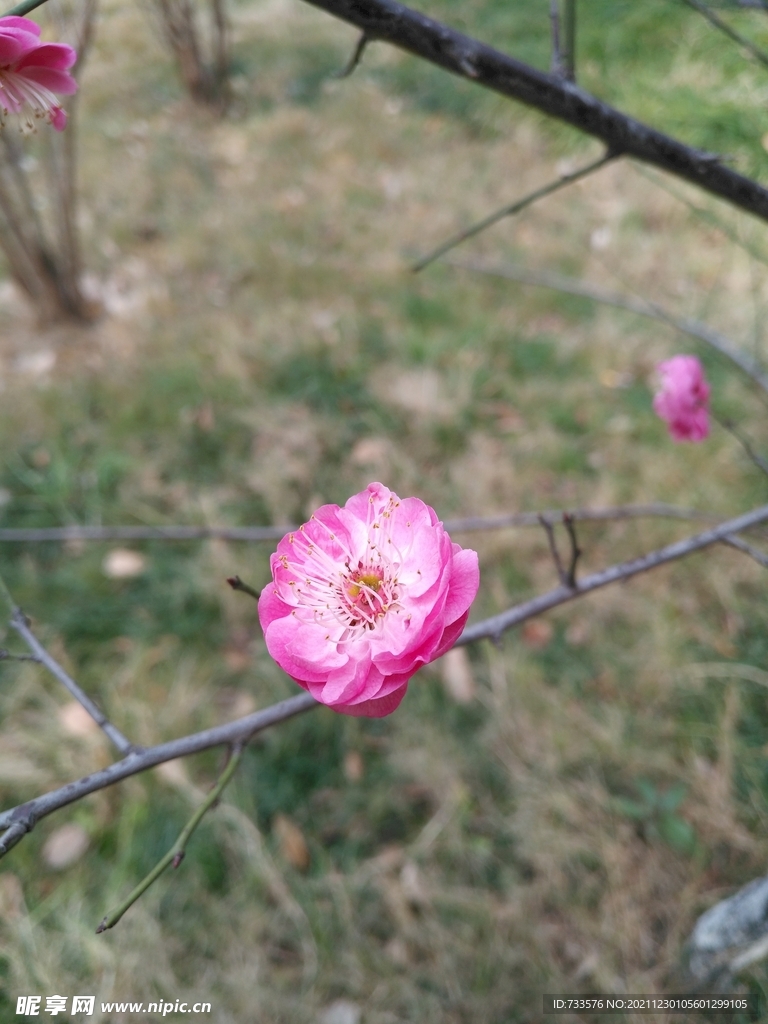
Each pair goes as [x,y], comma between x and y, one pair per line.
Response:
[363,596]
[683,400]
[31,71]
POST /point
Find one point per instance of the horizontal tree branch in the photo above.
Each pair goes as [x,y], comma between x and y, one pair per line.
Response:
[431,40]
[17,821]
[494,626]
[23,818]
[643,307]
[470,524]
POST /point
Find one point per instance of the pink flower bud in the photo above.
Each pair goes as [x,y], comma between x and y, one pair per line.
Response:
[364,596]
[683,400]
[32,72]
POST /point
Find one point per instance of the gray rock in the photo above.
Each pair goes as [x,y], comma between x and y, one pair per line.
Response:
[730,936]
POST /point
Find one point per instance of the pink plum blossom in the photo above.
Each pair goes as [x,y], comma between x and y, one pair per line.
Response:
[683,400]
[363,596]
[31,72]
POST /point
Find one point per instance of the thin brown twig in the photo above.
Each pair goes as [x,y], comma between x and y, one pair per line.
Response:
[569,32]
[550,532]
[733,430]
[237,584]
[498,624]
[643,307]
[355,57]
[741,545]
[17,821]
[576,552]
[512,208]
[556,65]
[725,28]
[176,854]
[468,524]
[22,819]
[19,622]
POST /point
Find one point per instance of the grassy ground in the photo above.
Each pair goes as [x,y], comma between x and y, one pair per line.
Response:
[266,350]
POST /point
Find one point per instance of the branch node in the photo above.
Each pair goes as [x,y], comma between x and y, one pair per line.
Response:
[569,521]
[237,584]
[356,57]
[561,573]
[178,857]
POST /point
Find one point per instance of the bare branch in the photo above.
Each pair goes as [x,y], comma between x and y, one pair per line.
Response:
[267,533]
[556,66]
[21,819]
[725,28]
[392,22]
[494,626]
[569,24]
[748,549]
[237,584]
[24,8]
[356,57]
[732,429]
[513,208]
[570,286]
[550,532]
[19,622]
[576,551]
[7,656]
[176,854]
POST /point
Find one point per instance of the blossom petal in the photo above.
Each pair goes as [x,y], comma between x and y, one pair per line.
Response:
[363,597]
[57,81]
[57,56]
[13,22]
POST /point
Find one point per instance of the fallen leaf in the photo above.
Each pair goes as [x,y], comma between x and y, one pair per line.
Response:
[353,766]
[65,846]
[123,564]
[75,719]
[293,845]
[457,676]
[537,633]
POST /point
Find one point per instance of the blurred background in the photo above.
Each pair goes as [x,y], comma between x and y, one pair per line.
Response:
[551,814]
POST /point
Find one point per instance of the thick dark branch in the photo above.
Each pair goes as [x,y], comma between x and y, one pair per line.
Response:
[498,624]
[570,286]
[435,42]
